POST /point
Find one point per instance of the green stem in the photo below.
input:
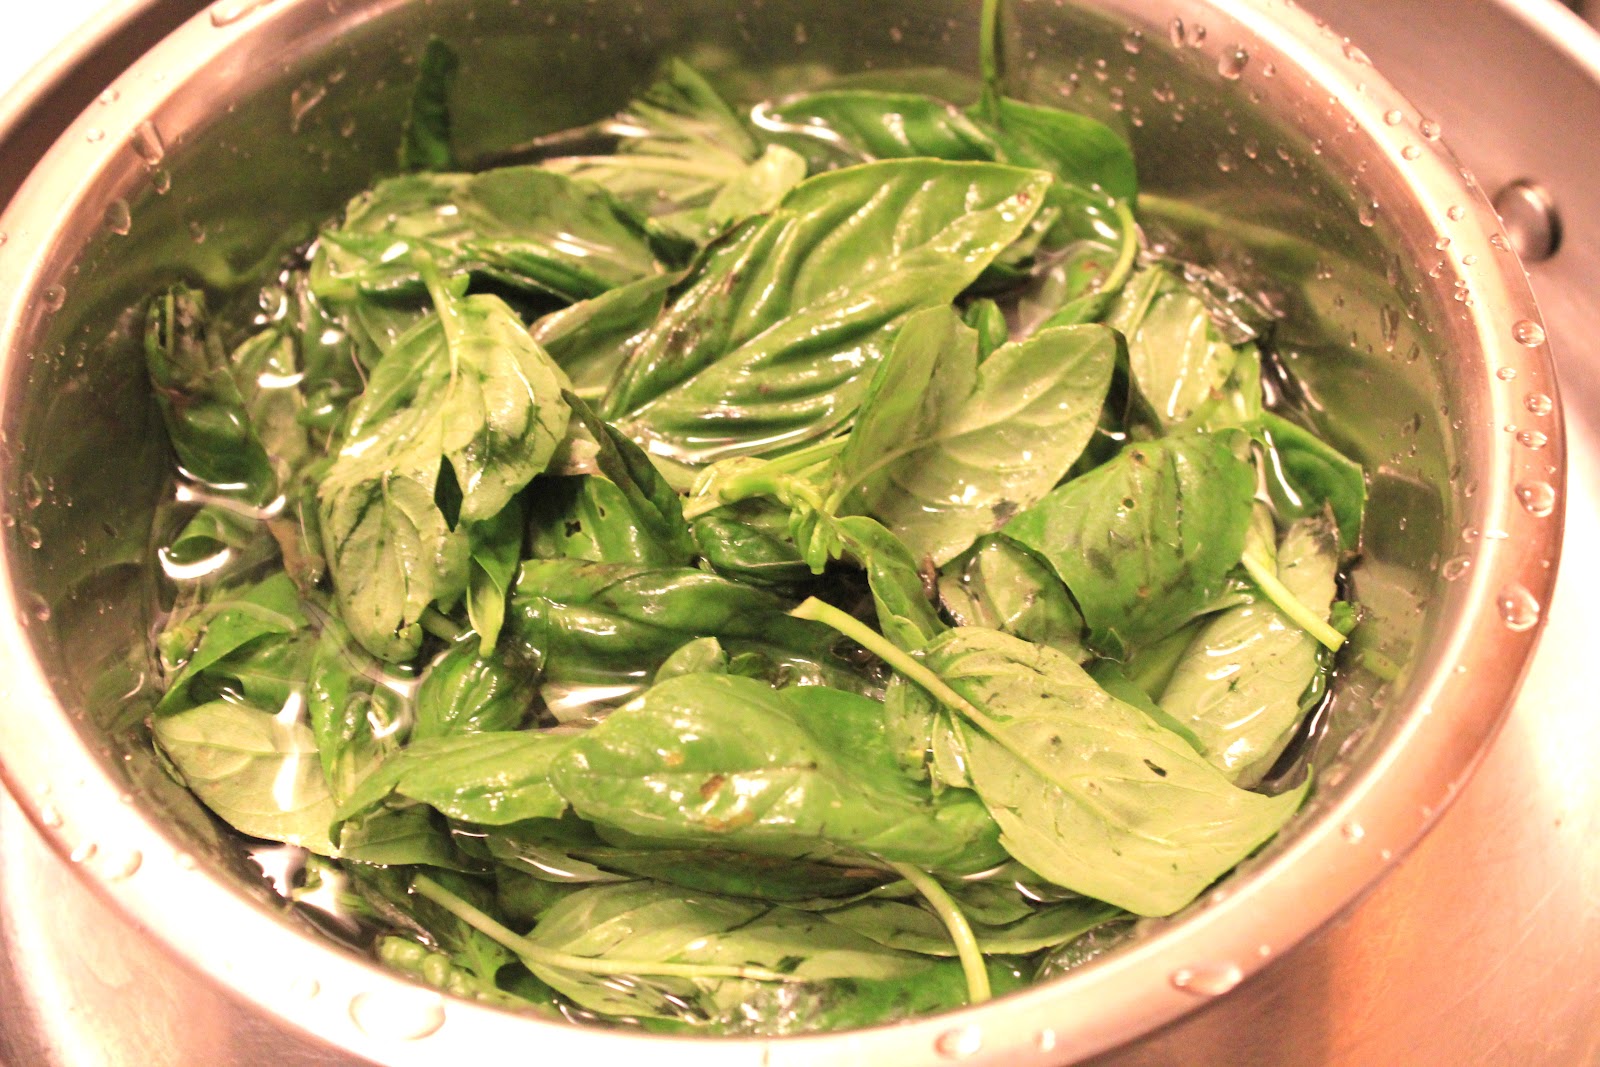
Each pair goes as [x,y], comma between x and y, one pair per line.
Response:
[1266,577]
[1130,249]
[563,961]
[901,661]
[441,625]
[767,479]
[989,59]
[950,914]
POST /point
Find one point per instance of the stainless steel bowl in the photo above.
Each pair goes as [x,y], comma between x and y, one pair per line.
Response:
[1407,317]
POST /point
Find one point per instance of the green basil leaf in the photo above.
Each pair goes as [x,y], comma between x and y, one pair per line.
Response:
[191,645]
[643,920]
[464,692]
[494,547]
[749,541]
[525,226]
[1077,148]
[652,505]
[860,125]
[200,400]
[1179,360]
[589,339]
[727,762]
[425,133]
[999,585]
[770,340]
[354,707]
[1088,791]
[1147,540]
[679,146]
[945,450]
[912,928]
[1239,685]
[490,779]
[1305,474]
[258,772]
[409,837]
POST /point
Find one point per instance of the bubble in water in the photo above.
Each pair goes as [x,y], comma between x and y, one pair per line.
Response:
[227,12]
[54,296]
[1410,151]
[1429,129]
[147,144]
[83,852]
[1133,42]
[1207,980]
[161,181]
[1225,162]
[960,1042]
[1353,832]
[1518,609]
[49,817]
[399,1015]
[1528,333]
[32,491]
[1456,212]
[1232,63]
[1506,374]
[1538,404]
[1538,498]
[1532,439]
[31,535]
[41,607]
[119,220]
[197,232]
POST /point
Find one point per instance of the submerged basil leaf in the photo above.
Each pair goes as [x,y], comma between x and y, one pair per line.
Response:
[464,692]
[1240,684]
[999,585]
[258,772]
[912,928]
[486,778]
[425,135]
[1304,474]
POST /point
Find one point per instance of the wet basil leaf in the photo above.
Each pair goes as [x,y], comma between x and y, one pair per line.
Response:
[912,928]
[490,779]
[464,692]
[999,585]
[1147,540]
[727,762]
[1305,474]
[770,340]
[425,134]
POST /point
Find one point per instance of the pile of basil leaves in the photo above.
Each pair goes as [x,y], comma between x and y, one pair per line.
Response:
[789,571]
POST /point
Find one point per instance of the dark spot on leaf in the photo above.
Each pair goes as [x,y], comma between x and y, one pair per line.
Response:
[1137,456]
[1160,771]
[574,527]
[1129,503]
[709,787]
[1003,511]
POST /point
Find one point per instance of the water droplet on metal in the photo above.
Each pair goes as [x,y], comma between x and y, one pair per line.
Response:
[1410,151]
[1429,129]
[1207,980]
[1528,333]
[1532,439]
[110,96]
[1538,404]
[1133,42]
[32,491]
[1538,498]
[1354,54]
[1506,374]
[147,144]
[31,535]
[49,816]
[301,100]
[119,220]
[1499,242]
[184,860]
[398,1015]
[1393,117]
[1456,212]
[83,852]
[115,866]
[304,987]
[1225,162]
[227,12]
[1196,36]
[1518,609]
[959,1043]
[41,607]
[94,135]
[1531,220]
[53,296]
[1353,832]
[1367,213]
[1175,32]
[1045,1040]
[1232,63]
[197,232]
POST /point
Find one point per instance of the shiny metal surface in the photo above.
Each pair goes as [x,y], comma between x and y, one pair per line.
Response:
[1339,155]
